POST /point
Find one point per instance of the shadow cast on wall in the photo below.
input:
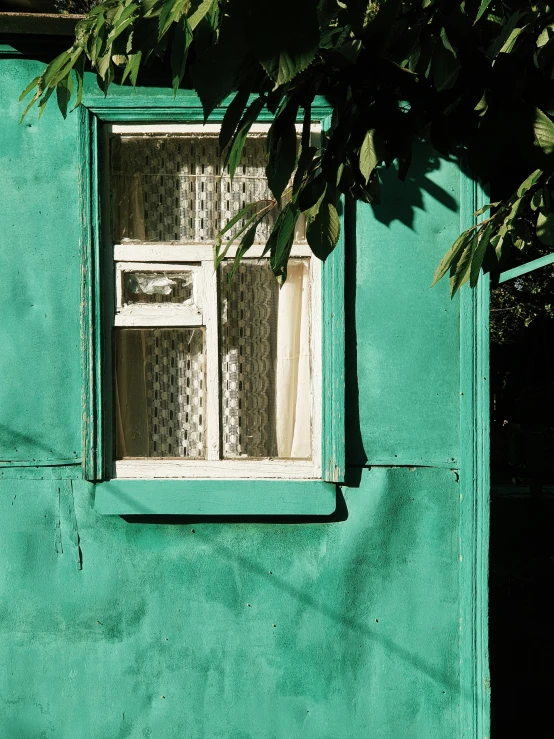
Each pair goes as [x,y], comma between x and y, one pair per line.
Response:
[401,203]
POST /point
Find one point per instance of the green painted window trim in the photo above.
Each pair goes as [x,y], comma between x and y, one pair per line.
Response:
[474,486]
[216,497]
[523,269]
[179,497]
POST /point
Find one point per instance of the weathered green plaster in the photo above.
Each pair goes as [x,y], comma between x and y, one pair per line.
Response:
[39,268]
[408,333]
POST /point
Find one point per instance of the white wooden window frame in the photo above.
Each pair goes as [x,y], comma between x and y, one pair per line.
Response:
[198,258]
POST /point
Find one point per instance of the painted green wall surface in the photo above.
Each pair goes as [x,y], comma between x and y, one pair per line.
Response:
[343,628]
[323,631]
[407,333]
[39,270]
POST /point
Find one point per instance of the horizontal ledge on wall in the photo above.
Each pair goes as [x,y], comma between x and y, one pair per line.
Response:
[40,462]
[39,24]
[452,464]
[126,104]
[216,497]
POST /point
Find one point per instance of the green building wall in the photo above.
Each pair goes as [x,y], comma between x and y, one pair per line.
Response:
[342,629]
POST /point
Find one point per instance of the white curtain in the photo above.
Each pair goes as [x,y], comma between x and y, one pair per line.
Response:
[129,208]
[292,381]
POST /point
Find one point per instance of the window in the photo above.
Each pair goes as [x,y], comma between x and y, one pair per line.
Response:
[196,398]
[215,374]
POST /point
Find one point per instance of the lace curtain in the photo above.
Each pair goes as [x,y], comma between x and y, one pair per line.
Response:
[160,392]
[175,189]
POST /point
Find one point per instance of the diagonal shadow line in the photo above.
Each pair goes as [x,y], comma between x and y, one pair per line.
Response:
[25,439]
[347,621]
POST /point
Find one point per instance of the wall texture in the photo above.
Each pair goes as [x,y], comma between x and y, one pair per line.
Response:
[113,628]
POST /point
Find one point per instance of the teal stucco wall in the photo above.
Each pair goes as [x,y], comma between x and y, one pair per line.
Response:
[254,630]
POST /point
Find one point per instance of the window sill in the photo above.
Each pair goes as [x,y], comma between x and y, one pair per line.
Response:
[216,497]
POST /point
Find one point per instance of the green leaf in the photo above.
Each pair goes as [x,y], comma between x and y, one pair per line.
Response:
[529,182]
[483,105]
[218,253]
[122,26]
[480,247]
[28,89]
[280,241]
[500,39]
[282,147]
[64,91]
[103,65]
[245,244]
[311,196]
[179,52]
[369,158]
[232,117]
[44,100]
[216,72]
[201,11]
[132,68]
[545,36]
[284,36]
[537,199]
[544,131]
[285,66]
[305,164]
[482,9]
[461,266]
[307,153]
[282,160]
[485,208]
[455,250]
[79,70]
[509,44]
[323,231]
[52,70]
[234,152]
[545,228]
[124,16]
[445,65]
[30,104]
[171,12]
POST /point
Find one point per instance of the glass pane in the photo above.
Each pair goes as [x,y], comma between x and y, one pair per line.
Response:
[175,189]
[265,362]
[160,392]
[158,287]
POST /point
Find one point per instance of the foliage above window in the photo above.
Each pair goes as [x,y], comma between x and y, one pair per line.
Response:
[473,76]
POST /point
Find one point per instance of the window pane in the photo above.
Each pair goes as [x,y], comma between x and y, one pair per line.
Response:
[265,362]
[160,392]
[175,189]
[158,287]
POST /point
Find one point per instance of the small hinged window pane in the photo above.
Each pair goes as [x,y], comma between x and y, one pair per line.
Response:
[158,287]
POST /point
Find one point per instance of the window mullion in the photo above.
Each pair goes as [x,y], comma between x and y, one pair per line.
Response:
[211,322]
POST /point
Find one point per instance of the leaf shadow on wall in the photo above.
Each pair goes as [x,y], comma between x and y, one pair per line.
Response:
[402,200]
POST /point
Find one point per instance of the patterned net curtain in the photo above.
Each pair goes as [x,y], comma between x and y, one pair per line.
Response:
[160,392]
[249,311]
[176,190]
[265,362]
